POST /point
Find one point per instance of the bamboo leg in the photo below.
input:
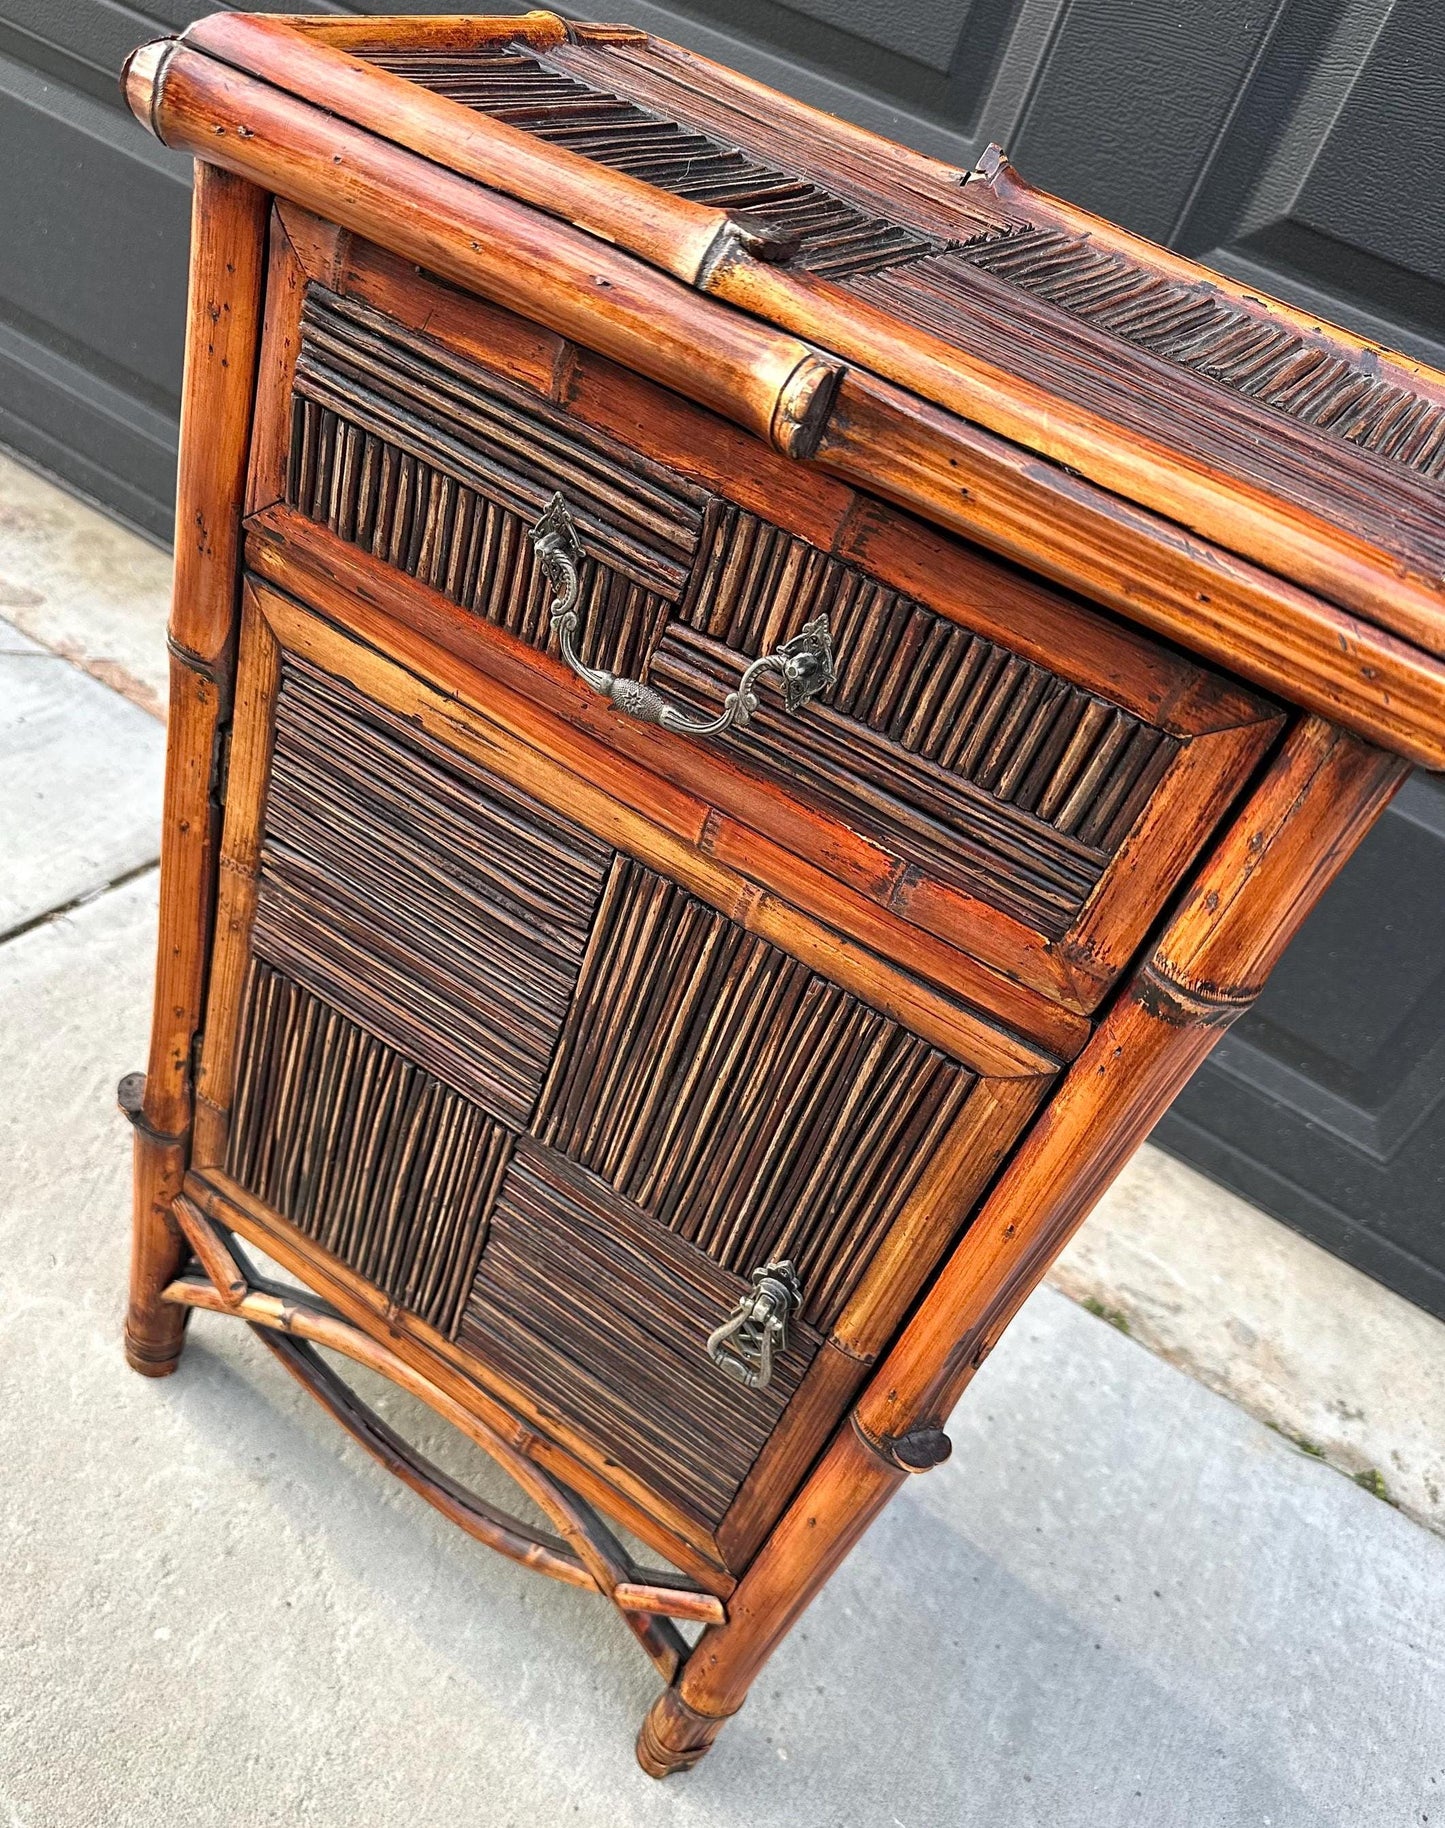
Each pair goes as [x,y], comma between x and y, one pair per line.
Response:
[229,220]
[1318,800]
[154,1330]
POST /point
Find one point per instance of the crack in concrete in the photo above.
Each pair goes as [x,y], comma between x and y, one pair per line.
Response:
[78,901]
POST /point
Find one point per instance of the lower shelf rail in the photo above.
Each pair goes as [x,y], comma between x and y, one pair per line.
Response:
[584,1552]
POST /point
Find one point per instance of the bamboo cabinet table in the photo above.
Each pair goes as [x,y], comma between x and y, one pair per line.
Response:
[746,707]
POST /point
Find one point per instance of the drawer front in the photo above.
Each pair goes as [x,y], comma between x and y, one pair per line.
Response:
[995,765]
[977,770]
[552,1103]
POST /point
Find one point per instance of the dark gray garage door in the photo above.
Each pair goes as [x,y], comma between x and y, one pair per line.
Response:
[1298,144]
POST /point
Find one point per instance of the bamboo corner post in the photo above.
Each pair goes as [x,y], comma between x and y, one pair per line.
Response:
[223,324]
[735,737]
[1322,794]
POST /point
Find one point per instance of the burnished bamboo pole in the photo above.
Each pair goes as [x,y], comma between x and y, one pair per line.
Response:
[666,231]
[223,322]
[154,1333]
[212,1253]
[1318,799]
[433,31]
[258,675]
[764,379]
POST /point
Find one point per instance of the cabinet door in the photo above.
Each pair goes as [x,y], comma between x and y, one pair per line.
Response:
[547,1085]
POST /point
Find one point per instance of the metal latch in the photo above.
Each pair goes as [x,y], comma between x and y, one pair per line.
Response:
[744,1345]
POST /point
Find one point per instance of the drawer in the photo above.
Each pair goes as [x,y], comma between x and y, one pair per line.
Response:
[544,1086]
[997,769]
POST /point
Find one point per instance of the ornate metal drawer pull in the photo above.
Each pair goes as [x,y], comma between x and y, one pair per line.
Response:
[745,1344]
[805,663]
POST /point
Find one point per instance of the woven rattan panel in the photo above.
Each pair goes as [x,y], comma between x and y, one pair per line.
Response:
[1189,322]
[737,1097]
[439,908]
[531,90]
[974,765]
[373,1157]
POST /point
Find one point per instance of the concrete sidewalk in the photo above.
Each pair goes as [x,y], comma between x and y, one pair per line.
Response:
[1124,1600]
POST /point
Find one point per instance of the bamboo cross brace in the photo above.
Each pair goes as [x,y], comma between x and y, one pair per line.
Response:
[583,1554]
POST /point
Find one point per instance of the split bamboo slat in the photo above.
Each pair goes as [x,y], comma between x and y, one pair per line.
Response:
[684,1114]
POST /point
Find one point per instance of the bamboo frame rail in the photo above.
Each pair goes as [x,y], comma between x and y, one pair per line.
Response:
[773,384]
[223,334]
[668,232]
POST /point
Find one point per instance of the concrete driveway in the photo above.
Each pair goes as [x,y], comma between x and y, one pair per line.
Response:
[1123,1601]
